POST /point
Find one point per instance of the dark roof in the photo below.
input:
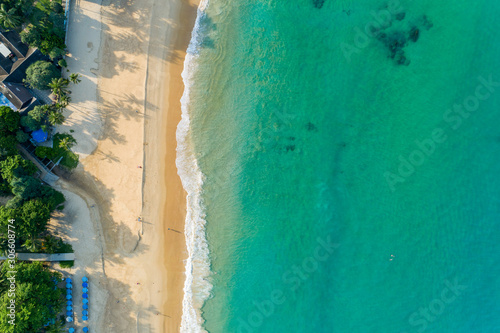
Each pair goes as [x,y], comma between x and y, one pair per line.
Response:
[18,95]
[19,69]
[34,102]
[12,40]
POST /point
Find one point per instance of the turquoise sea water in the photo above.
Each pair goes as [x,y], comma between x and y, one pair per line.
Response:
[340,182]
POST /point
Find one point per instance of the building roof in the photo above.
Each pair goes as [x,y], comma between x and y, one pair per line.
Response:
[18,95]
[18,72]
[13,42]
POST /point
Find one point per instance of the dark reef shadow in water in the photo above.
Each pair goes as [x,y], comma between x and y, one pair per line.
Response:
[318,3]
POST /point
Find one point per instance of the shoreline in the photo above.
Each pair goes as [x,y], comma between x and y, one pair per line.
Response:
[176,205]
[171,207]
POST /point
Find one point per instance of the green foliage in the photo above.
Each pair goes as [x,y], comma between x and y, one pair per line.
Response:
[40,74]
[31,123]
[4,187]
[44,152]
[56,52]
[53,198]
[16,166]
[67,264]
[56,7]
[75,78]
[14,203]
[32,35]
[22,136]
[62,63]
[56,118]
[9,120]
[59,86]
[8,145]
[32,218]
[50,42]
[9,17]
[26,187]
[38,300]
[62,145]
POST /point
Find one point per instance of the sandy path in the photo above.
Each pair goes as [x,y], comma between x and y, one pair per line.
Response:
[133,114]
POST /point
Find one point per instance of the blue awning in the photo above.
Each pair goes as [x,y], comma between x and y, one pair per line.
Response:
[39,136]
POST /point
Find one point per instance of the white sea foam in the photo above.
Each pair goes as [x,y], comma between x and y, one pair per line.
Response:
[197,287]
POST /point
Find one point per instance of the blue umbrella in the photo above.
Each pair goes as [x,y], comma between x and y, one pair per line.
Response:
[85,296]
[69,302]
[85,290]
[69,286]
[68,280]
[85,306]
[85,329]
[69,297]
[69,319]
[85,301]
[85,285]
[68,292]
[85,318]
[85,313]
[39,136]
[69,308]
[84,279]
[71,330]
[69,313]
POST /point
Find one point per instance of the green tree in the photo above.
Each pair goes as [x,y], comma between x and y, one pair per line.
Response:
[26,187]
[75,78]
[56,118]
[40,74]
[59,86]
[38,300]
[65,100]
[22,136]
[9,120]
[16,166]
[44,152]
[32,36]
[67,142]
[9,17]
[7,145]
[56,7]
[32,219]
[62,63]
[36,117]
[32,244]
[56,53]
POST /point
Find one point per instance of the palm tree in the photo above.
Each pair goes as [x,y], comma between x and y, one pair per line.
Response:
[9,18]
[64,100]
[67,142]
[75,78]
[56,118]
[59,86]
[50,244]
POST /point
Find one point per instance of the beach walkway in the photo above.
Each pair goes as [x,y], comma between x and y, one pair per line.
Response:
[43,257]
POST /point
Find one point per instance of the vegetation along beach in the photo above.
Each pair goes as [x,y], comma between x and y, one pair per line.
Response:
[249,166]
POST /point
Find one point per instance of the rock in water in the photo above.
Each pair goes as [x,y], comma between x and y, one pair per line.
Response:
[414,34]
[318,3]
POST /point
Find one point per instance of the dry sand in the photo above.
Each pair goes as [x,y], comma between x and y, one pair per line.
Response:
[124,116]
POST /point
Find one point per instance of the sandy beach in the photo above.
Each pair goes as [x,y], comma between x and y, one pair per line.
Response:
[124,116]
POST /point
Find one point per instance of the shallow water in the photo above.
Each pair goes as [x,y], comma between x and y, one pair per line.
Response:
[331,188]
